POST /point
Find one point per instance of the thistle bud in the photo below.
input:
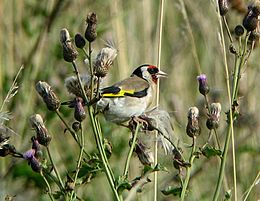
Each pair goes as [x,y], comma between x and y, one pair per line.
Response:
[69,51]
[214,116]
[192,128]
[76,126]
[48,96]
[79,112]
[223,7]
[73,86]
[254,36]
[239,30]
[144,154]
[108,148]
[203,84]
[104,60]
[79,41]
[91,32]
[250,21]
[35,164]
[42,134]
[36,146]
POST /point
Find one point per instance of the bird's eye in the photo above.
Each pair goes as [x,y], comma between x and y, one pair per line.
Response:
[152,70]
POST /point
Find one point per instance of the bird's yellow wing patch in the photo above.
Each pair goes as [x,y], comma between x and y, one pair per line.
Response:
[121,93]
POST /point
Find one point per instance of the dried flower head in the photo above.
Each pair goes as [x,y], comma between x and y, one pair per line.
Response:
[7,149]
[223,7]
[91,32]
[213,116]
[42,134]
[79,41]
[203,84]
[104,60]
[144,154]
[69,51]
[160,120]
[48,96]
[192,128]
[73,85]
[250,21]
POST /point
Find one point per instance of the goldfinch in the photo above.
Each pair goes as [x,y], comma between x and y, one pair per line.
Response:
[130,97]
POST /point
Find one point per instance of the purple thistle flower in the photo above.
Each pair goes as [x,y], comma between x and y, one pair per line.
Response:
[203,84]
[28,155]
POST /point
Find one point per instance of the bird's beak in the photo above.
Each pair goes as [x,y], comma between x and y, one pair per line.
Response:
[161,74]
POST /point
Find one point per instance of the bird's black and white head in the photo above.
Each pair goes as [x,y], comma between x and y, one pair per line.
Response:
[149,72]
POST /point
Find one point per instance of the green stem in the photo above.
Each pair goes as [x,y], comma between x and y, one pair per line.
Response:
[101,142]
[252,186]
[54,168]
[71,132]
[230,133]
[102,152]
[130,153]
[79,159]
[91,71]
[227,28]
[68,127]
[48,186]
[188,170]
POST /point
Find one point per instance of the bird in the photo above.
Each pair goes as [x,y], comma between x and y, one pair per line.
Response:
[132,96]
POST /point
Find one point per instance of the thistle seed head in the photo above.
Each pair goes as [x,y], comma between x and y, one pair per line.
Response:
[104,60]
[214,116]
[73,86]
[144,154]
[48,96]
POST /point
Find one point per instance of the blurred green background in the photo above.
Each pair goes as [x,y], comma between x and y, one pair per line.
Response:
[29,36]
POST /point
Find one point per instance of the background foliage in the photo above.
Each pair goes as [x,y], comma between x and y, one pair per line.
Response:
[30,37]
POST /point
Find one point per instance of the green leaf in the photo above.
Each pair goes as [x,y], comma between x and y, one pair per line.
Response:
[92,166]
[209,151]
[170,190]
[122,184]
[57,195]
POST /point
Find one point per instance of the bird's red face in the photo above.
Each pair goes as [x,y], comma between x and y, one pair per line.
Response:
[155,73]
[149,72]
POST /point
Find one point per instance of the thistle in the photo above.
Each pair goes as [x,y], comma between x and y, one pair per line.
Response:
[69,51]
[42,134]
[104,60]
[203,84]
[192,128]
[91,32]
[48,96]
[213,116]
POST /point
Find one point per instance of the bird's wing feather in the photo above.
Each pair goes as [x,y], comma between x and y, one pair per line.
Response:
[132,86]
